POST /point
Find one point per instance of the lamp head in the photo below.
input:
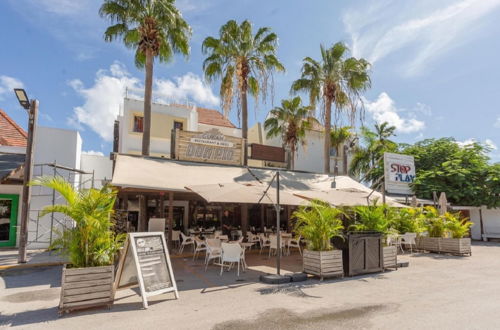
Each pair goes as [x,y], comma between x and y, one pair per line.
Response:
[22,97]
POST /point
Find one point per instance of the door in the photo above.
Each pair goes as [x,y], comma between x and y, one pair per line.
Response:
[8,219]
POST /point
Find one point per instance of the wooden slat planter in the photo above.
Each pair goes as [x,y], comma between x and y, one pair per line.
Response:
[390,257]
[323,263]
[86,287]
[458,246]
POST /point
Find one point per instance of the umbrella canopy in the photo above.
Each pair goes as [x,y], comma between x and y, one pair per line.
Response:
[249,193]
[346,197]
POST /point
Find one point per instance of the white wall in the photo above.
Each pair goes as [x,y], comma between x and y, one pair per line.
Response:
[491,221]
[102,167]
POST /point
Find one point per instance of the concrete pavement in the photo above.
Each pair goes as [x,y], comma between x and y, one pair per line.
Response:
[435,292]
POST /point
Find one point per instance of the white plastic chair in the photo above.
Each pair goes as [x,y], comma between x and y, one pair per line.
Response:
[264,242]
[176,237]
[253,238]
[200,246]
[273,244]
[231,253]
[396,241]
[294,243]
[409,239]
[214,250]
[186,240]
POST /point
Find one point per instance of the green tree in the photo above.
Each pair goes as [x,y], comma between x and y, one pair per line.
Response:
[91,242]
[338,137]
[367,160]
[462,171]
[290,121]
[155,29]
[244,62]
[334,80]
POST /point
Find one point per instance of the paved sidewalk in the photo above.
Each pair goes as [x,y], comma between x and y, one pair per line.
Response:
[8,258]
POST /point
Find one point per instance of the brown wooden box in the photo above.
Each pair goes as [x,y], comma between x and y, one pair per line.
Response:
[86,287]
[323,263]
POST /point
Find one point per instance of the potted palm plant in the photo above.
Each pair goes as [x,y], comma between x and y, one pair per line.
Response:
[90,246]
[318,223]
[446,233]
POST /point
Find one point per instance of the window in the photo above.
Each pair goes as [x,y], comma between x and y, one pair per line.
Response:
[178,125]
[333,152]
[138,124]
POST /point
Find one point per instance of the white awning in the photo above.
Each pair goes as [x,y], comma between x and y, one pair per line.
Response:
[150,173]
[347,197]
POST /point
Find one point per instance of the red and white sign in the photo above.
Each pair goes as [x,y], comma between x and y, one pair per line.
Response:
[399,173]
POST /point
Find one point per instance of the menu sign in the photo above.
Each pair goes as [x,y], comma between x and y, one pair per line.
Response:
[146,261]
[210,146]
[399,173]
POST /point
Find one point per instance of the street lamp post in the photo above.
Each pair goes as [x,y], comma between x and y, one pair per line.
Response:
[32,108]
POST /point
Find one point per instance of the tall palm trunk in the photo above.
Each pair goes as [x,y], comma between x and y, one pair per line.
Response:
[328,127]
[244,123]
[292,161]
[148,93]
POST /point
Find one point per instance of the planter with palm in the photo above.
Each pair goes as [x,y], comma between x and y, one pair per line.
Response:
[90,246]
[154,29]
[318,223]
[245,63]
[290,121]
[334,80]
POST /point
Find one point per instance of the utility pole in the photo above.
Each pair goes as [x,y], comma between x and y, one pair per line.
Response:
[32,108]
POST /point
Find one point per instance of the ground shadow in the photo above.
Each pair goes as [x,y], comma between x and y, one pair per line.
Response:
[27,277]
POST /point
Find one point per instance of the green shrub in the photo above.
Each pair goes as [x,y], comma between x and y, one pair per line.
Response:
[455,226]
[407,220]
[92,241]
[372,218]
[318,223]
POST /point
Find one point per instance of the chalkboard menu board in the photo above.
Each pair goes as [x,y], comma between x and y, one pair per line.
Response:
[146,262]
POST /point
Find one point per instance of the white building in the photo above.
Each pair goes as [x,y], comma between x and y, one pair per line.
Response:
[164,118]
[308,157]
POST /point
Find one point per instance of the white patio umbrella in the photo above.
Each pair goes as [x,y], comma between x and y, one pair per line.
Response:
[346,197]
[250,193]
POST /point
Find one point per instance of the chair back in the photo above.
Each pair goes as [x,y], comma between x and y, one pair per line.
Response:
[231,252]
[176,235]
[156,224]
[273,240]
[184,237]
[199,242]
[213,243]
[409,238]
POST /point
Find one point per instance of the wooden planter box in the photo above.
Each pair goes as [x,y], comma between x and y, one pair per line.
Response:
[86,287]
[459,246]
[390,257]
[323,263]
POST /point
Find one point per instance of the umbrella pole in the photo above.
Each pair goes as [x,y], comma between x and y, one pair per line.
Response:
[278,230]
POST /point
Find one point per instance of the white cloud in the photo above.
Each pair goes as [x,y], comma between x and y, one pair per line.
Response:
[61,7]
[497,122]
[466,142]
[431,28]
[187,87]
[92,153]
[7,85]
[384,109]
[102,101]
[490,144]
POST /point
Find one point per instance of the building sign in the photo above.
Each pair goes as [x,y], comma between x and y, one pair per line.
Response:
[268,153]
[399,173]
[211,146]
[145,261]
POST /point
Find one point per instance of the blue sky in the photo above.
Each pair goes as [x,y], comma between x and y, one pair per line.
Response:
[435,63]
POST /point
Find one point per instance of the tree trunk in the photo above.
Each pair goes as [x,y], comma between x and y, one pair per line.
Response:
[292,160]
[328,127]
[148,93]
[244,124]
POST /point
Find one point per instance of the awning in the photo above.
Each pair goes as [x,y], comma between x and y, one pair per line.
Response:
[244,193]
[347,197]
[150,173]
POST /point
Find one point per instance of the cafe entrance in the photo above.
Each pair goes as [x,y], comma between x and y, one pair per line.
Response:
[8,219]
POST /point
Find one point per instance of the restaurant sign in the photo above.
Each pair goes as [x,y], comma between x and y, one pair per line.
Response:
[399,173]
[211,146]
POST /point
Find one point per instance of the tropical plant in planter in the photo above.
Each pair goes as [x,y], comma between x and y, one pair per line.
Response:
[90,246]
[318,223]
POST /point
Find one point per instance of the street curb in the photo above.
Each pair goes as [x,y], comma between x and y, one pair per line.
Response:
[24,266]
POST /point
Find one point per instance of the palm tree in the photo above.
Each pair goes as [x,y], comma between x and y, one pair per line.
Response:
[339,136]
[155,29]
[367,159]
[290,121]
[244,62]
[334,80]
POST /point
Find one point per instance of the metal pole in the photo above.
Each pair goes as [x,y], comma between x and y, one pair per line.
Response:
[52,213]
[28,166]
[278,230]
